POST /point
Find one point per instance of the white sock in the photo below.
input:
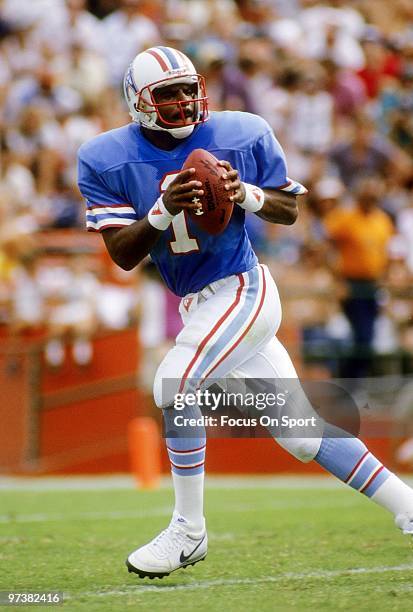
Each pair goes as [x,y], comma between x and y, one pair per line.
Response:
[394,495]
[189,499]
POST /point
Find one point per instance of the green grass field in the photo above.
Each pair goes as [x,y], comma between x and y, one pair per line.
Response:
[273,546]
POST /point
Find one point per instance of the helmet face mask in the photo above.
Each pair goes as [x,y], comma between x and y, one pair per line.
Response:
[147,103]
[144,97]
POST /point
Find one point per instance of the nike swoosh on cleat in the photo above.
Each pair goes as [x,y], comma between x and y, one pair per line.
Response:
[184,557]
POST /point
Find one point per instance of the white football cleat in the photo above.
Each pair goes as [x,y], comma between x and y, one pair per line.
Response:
[173,548]
[405,522]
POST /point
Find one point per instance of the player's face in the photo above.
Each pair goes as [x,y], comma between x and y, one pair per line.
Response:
[176,103]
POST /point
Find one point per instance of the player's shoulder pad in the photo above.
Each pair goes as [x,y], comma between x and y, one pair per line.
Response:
[243,121]
[107,149]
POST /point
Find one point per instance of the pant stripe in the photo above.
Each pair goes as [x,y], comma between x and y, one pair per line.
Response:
[236,343]
[213,330]
[233,329]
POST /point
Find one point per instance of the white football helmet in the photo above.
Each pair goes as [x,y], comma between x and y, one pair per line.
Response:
[157,67]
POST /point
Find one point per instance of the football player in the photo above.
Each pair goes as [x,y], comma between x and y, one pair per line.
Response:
[136,197]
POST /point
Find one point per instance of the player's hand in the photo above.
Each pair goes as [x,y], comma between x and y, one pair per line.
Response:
[182,193]
[233,182]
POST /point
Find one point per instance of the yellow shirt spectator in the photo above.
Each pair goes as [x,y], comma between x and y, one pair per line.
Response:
[361,239]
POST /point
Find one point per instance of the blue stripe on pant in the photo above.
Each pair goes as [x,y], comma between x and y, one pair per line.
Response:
[234,327]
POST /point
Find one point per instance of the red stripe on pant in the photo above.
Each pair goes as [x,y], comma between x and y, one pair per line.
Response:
[234,346]
[213,330]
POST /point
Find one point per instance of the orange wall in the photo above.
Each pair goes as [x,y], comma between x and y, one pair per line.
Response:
[79,418]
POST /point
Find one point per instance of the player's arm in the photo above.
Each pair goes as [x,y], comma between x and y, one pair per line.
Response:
[271,205]
[128,245]
[279,207]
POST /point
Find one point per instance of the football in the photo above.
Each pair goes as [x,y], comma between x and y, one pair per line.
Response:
[217,208]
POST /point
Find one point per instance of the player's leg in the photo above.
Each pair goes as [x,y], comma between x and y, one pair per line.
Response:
[186,445]
[345,457]
[184,542]
[228,323]
[224,325]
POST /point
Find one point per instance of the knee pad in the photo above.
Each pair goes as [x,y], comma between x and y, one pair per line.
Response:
[169,375]
[303,449]
[165,389]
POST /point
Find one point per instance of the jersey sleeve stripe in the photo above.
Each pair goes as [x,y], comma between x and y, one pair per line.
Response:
[106,205]
[104,223]
[293,187]
[96,219]
[115,210]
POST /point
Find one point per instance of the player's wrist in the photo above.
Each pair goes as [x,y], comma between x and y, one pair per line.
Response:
[159,216]
[254,198]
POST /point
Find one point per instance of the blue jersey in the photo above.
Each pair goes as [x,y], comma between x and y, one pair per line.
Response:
[121,175]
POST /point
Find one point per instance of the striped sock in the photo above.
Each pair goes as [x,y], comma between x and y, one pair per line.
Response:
[351,461]
[187,457]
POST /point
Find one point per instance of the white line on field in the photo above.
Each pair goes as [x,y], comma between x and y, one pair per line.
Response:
[83,516]
[167,511]
[228,582]
[125,481]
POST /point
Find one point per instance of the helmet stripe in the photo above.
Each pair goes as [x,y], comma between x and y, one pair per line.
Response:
[171,57]
[183,57]
[159,58]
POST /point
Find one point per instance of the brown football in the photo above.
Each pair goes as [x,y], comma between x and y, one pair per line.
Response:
[217,208]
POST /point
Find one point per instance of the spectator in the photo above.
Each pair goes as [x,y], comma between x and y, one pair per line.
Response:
[71,301]
[227,84]
[404,222]
[365,152]
[378,65]
[70,20]
[361,236]
[126,31]
[332,31]
[332,77]
[346,88]
[311,115]
[255,64]
[28,306]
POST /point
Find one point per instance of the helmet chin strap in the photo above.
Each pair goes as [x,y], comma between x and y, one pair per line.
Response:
[178,133]
[182,132]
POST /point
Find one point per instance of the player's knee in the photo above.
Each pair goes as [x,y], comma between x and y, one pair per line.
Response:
[168,378]
[165,390]
[166,386]
[303,449]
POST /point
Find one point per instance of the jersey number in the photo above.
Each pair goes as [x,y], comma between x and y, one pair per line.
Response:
[182,242]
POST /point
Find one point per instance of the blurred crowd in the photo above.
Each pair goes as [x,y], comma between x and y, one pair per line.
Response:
[335,81]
